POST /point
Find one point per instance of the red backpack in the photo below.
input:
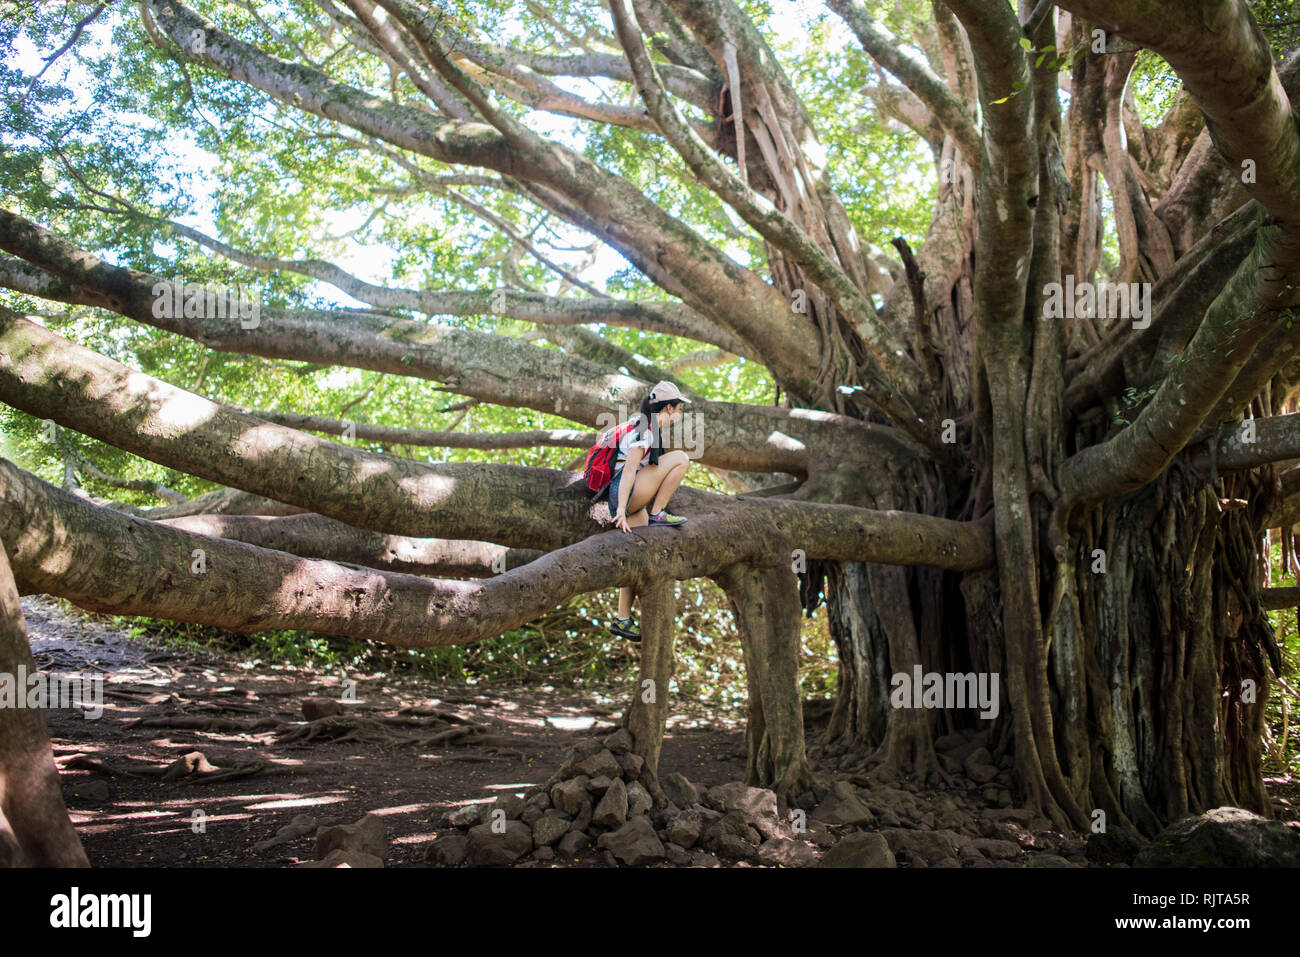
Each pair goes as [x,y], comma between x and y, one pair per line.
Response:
[599,469]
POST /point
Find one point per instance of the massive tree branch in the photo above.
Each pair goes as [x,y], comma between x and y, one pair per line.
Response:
[52,378]
[393,435]
[491,368]
[315,536]
[661,246]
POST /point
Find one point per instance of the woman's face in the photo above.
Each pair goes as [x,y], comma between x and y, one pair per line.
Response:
[670,413]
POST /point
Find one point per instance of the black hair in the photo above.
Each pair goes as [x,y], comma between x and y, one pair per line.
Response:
[648,411]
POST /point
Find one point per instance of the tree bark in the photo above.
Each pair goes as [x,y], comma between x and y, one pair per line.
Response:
[35,830]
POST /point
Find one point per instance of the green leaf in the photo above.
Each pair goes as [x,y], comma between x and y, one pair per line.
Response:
[1025,44]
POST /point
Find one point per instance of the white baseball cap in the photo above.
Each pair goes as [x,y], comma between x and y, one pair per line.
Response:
[667,392]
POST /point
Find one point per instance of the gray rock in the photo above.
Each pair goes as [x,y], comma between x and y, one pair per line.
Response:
[512,804]
[577,754]
[448,850]
[631,763]
[891,805]
[611,812]
[677,856]
[732,847]
[620,742]
[638,800]
[1224,837]
[635,843]
[1022,816]
[684,828]
[315,708]
[704,859]
[539,800]
[1050,860]
[300,826]
[549,828]
[862,849]
[783,852]
[343,857]
[1116,845]
[924,846]
[583,819]
[544,854]
[737,823]
[979,766]
[489,849]
[532,814]
[466,816]
[90,791]
[997,850]
[757,805]
[569,796]
[599,784]
[819,834]
[843,806]
[366,836]
[600,763]
[679,790]
[571,845]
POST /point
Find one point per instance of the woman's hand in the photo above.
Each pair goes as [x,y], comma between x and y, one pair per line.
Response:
[620,521]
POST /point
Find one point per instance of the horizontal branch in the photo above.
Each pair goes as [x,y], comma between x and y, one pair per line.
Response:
[103,560]
[671,319]
[50,377]
[1275,599]
[1241,315]
[315,536]
[492,368]
[392,435]
[1251,443]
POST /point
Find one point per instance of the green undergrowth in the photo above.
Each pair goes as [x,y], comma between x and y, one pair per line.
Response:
[1282,705]
[570,645]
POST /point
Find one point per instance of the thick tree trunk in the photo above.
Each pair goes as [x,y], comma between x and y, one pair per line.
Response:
[34,827]
[648,713]
[1170,629]
[765,603]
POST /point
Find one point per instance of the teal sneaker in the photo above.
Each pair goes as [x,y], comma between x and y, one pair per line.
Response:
[623,628]
[666,518]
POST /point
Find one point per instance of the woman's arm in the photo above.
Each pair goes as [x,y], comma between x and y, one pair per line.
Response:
[630,465]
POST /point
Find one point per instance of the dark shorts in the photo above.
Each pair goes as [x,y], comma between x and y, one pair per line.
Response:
[613,495]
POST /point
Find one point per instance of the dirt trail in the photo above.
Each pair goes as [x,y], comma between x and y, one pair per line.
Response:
[407,750]
[134,816]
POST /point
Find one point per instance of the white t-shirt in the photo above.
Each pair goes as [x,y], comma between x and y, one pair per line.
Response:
[635,439]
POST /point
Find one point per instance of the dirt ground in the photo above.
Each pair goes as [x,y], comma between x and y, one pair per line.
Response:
[405,749]
[133,817]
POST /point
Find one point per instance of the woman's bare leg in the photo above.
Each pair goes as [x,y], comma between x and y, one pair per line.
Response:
[640,517]
[655,483]
[678,462]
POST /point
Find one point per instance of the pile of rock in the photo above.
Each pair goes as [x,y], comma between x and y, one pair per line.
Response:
[605,803]
[363,843]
